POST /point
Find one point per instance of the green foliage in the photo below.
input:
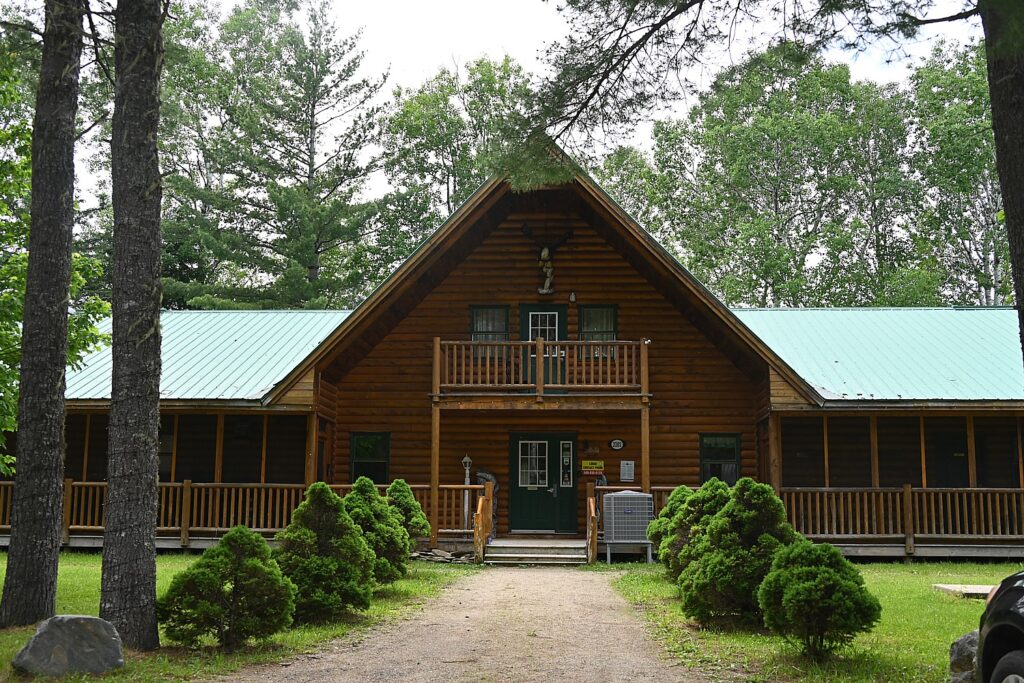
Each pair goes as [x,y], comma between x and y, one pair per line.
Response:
[401,498]
[686,526]
[816,596]
[382,528]
[659,526]
[734,553]
[234,592]
[17,63]
[324,554]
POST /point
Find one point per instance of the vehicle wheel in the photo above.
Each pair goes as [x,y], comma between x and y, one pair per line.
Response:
[1010,669]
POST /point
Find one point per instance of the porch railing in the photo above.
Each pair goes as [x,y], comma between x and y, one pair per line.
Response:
[475,366]
[199,509]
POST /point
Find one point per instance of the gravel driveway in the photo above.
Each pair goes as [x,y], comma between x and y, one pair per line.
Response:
[500,624]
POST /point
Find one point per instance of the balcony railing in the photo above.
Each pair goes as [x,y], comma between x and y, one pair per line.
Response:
[468,367]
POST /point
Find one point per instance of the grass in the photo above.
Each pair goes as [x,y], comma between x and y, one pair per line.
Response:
[78,588]
[910,643]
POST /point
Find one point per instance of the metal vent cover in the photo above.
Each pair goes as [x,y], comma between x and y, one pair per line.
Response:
[626,516]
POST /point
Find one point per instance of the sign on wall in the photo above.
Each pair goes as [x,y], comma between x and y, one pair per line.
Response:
[616,444]
[593,466]
[626,470]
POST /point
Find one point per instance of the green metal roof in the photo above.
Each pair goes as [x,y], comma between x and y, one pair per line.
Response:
[898,354]
[218,355]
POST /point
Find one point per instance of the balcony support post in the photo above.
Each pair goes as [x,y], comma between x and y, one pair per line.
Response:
[539,370]
[435,468]
[645,447]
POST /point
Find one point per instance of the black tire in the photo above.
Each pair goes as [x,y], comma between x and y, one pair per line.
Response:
[1010,668]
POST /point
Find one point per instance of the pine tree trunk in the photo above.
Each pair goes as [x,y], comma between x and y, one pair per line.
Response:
[128,589]
[1003,21]
[30,586]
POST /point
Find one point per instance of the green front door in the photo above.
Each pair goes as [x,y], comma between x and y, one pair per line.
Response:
[551,323]
[542,482]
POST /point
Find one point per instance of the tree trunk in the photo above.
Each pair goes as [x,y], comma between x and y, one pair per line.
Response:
[128,590]
[30,586]
[1003,22]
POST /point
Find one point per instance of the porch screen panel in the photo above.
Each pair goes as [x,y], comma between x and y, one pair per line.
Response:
[166,448]
[197,447]
[946,444]
[243,448]
[803,451]
[370,456]
[995,441]
[286,449]
[97,468]
[74,446]
[849,451]
[899,451]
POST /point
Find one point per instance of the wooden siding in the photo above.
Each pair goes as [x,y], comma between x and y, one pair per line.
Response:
[695,386]
[783,395]
[302,393]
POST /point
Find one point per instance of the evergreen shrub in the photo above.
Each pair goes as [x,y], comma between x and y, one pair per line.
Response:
[324,554]
[730,558]
[234,592]
[382,528]
[817,597]
[401,498]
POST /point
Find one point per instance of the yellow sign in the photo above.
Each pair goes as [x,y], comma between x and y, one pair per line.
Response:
[593,466]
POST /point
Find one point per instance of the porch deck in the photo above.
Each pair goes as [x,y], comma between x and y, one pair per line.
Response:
[870,522]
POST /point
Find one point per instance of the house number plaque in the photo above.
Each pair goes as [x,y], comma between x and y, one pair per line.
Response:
[616,444]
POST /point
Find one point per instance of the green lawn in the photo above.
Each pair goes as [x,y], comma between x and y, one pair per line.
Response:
[78,593]
[910,643]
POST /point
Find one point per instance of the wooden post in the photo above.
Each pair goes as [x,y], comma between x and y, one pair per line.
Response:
[539,370]
[85,447]
[591,489]
[645,376]
[645,447]
[218,458]
[186,510]
[924,454]
[775,451]
[972,455]
[67,511]
[310,448]
[908,519]
[263,451]
[435,385]
[1020,457]
[435,469]
[174,450]
[824,429]
[873,427]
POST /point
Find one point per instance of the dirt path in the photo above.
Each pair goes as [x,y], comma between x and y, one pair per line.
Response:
[502,624]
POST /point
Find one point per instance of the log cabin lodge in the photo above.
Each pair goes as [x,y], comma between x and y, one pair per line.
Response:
[547,337]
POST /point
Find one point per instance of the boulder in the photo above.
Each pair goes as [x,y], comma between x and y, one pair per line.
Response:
[962,655]
[68,644]
[444,554]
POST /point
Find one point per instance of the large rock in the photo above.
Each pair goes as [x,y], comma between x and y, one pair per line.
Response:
[962,655]
[68,644]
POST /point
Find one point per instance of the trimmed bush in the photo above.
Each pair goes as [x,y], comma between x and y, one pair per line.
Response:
[660,526]
[382,528]
[234,592]
[687,524]
[816,596]
[324,554]
[730,559]
[400,497]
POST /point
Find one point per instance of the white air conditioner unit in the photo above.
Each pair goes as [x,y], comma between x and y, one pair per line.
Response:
[626,516]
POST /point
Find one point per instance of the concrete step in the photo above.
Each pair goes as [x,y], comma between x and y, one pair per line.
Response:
[537,548]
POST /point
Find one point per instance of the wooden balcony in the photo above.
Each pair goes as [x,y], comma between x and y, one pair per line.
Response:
[540,374]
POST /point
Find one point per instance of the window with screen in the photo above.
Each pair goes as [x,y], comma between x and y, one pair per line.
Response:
[489,323]
[720,457]
[599,324]
[370,455]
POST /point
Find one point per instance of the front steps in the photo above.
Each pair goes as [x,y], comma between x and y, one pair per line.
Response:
[520,551]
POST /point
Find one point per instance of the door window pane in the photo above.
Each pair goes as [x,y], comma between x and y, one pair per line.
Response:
[544,324]
[533,463]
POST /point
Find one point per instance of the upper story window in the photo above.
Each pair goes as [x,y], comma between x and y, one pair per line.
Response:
[488,323]
[598,323]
